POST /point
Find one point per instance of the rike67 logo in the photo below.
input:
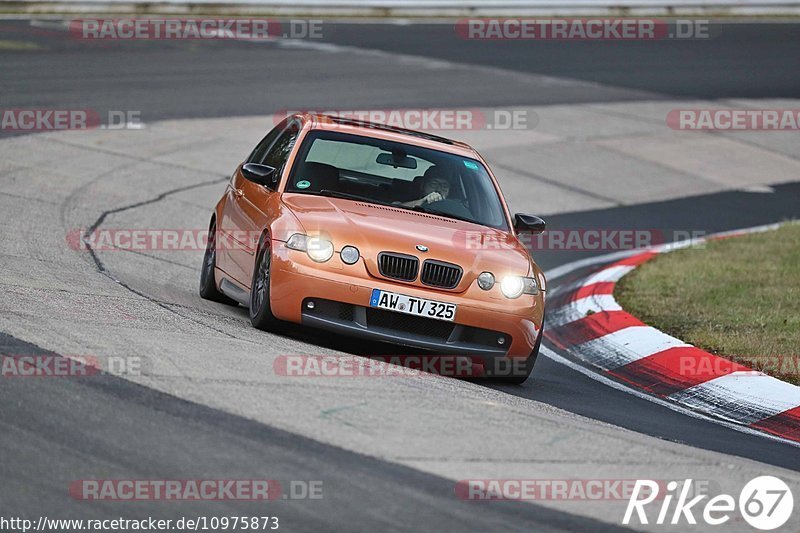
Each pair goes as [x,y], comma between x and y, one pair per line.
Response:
[765,503]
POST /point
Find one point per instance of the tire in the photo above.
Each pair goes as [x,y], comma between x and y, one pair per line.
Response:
[260,306]
[521,377]
[208,285]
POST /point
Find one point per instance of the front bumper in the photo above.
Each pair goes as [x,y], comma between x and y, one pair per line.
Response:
[444,338]
[341,304]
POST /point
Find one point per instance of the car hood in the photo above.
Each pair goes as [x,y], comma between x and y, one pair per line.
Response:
[375,228]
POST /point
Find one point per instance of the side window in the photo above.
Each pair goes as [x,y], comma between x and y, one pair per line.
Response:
[278,153]
[258,153]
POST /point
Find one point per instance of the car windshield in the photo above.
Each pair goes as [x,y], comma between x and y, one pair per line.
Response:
[402,175]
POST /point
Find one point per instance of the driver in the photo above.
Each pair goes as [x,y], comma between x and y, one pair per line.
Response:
[435,188]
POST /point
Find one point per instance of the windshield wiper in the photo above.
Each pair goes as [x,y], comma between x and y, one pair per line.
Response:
[346,196]
[445,215]
[419,208]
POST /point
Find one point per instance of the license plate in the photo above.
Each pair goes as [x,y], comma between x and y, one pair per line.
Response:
[412,306]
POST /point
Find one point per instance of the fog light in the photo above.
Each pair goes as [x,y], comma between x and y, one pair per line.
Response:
[486,280]
[501,340]
[349,255]
[310,304]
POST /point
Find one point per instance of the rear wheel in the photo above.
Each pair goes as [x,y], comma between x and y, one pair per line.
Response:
[208,285]
[260,306]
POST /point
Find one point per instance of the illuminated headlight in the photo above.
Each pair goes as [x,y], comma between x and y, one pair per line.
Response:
[349,255]
[515,286]
[317,248]
[486,280]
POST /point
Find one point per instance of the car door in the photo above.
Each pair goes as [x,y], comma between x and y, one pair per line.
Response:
[246,212]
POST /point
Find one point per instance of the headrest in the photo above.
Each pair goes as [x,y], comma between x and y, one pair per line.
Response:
[436,171]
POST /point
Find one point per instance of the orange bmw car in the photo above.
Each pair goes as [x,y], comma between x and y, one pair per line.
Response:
[378,233]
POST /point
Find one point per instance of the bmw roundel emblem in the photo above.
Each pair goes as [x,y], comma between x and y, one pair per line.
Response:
[422,248]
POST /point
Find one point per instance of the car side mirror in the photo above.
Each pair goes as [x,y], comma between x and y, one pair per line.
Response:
[530,223]
[260,174]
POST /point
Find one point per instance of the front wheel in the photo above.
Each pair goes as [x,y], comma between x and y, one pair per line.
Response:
[208,285]
[260,307]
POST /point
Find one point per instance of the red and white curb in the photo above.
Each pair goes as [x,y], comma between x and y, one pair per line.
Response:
[590,326]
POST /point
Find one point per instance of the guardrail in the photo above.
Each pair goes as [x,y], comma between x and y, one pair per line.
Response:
[417,8]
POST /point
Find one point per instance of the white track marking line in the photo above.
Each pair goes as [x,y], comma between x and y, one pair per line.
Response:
[611,274]
[613,349]
[550,354]
[737,386]
[563,270]
[747,397]
[581,308]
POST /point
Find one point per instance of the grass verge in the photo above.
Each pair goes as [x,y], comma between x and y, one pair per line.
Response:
[18,45]
[738,298]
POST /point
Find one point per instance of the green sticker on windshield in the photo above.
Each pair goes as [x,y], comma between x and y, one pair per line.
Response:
[303,184]
[471,165]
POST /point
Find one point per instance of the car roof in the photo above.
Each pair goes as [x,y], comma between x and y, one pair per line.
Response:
[391,133]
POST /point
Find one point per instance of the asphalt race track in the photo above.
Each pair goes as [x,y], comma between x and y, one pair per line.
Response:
[388,451]
[178,80]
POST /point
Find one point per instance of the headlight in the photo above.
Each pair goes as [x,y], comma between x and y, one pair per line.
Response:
[297,242]
[515,286]
[486,280]
[512,286]
[317,248]
[349,255]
